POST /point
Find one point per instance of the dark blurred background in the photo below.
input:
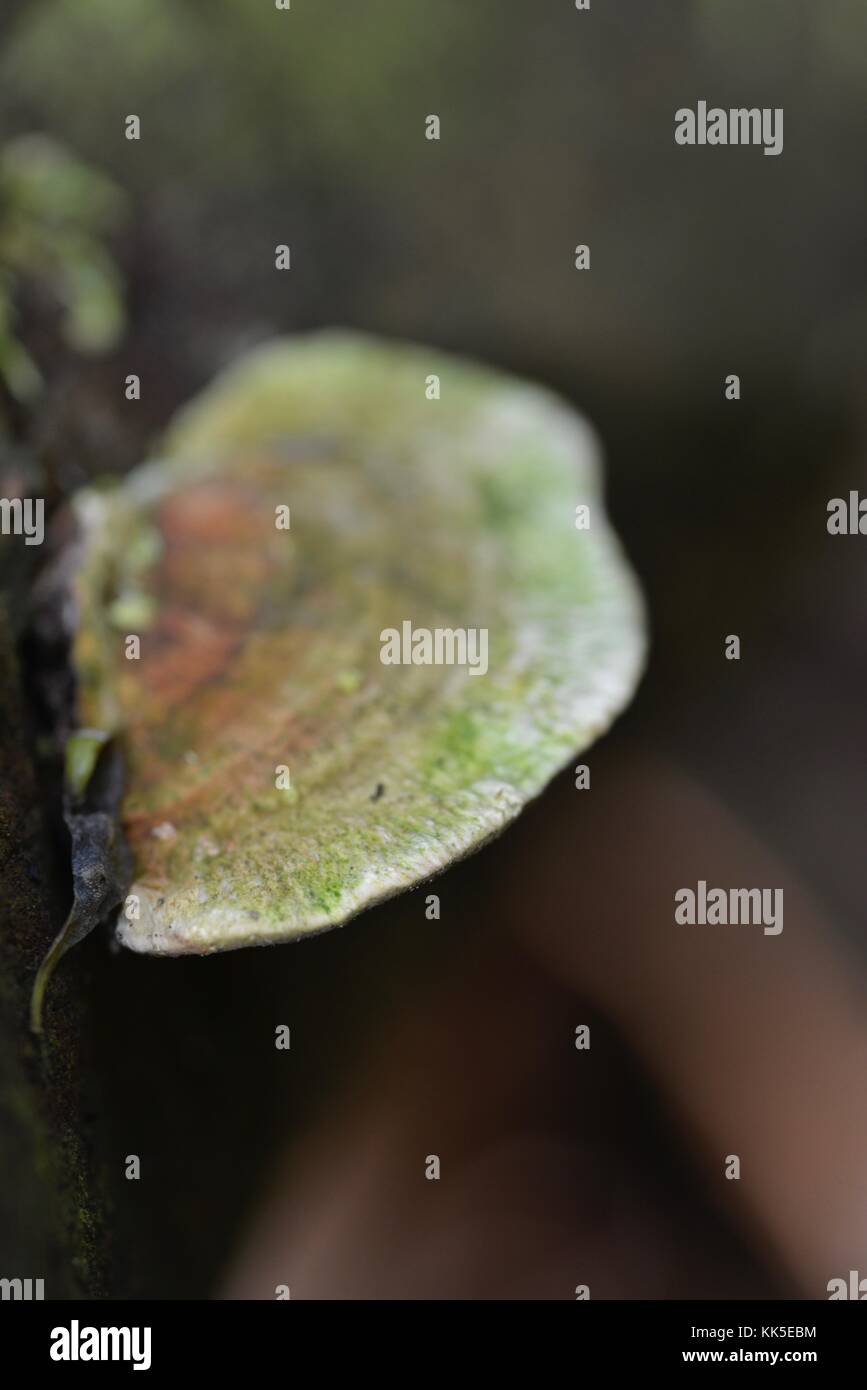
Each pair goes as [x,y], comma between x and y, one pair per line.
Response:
[307,127]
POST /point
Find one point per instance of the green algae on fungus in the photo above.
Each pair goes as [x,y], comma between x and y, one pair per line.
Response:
[260,647]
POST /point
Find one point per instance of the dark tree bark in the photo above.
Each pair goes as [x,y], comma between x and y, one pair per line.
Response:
[50,1220]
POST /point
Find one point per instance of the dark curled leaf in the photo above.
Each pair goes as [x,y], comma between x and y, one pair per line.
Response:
[99,857]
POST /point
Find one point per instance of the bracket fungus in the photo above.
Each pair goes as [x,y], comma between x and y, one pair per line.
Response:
[280,619]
